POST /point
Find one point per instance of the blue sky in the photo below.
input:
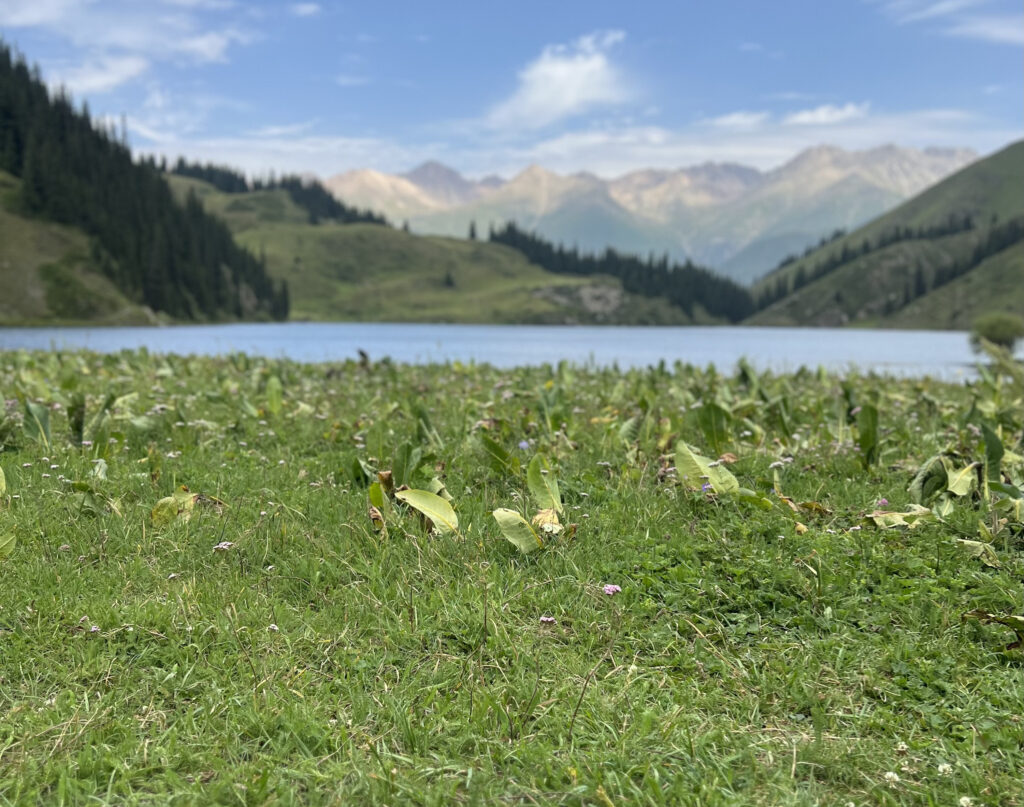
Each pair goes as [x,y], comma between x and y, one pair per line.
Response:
[486,87]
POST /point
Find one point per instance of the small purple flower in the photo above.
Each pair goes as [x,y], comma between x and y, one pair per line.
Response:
[706,487]
[611,589]
[883,502]
[524,445]
[547,620]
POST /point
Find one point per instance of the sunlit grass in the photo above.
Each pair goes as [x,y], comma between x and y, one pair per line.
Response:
[311,659]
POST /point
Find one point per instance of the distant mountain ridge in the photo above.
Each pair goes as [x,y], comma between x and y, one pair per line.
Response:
[735,218]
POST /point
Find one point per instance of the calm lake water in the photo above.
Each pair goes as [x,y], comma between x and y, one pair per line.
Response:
[939,353]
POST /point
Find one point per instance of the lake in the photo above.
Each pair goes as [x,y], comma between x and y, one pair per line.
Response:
[938,353]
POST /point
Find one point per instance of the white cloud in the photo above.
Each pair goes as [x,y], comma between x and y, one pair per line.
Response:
[827,114]
[285,130]
[563,82]
[346,80]
[304,9]
[960,19]
[1008,30]
[102,74]
[915,12]
[739,120]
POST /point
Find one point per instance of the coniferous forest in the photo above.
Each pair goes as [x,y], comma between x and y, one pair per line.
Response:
[173,258]
[308,194]
[683,285]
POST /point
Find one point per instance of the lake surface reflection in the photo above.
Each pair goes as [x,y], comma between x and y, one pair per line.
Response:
[938,353]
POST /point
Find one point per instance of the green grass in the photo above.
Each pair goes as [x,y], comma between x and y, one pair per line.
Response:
[47,276]
[753,656]
[366,272]
[987,188]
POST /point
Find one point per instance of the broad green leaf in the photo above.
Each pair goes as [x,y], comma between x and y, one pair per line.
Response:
[756,499]
[993,454]
[37,422]
[931,479]
[275,393]
[7,544]
[376,494]
[629,429]
[543,486]
[713,420]
[517,530]
[910,519]
[982,551]
[407,459]
[440,513]
[499,459]
[76,418]
[697,470]
[867,434]
[436,486]
[961,482]
[944,506]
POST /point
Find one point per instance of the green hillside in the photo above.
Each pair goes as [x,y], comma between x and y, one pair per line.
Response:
[46,273]
[373,273]
[937,261]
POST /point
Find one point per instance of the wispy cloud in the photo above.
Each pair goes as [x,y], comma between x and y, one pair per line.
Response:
[970,19]
[346,80]
[739,120]
[1008,30]
[123,38]
[827,114]
[563,82]
[304,9]
[285,130]
[102,74]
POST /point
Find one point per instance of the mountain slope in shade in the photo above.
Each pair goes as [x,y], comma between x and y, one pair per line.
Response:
[898,285]
[737,219]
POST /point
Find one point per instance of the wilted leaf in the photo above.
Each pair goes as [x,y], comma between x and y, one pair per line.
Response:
[982,551]
[377,519]
[543,486]
[801,528]
[1011,621]
[517,530]
[911,519]
[547,522]
[178,506]
[436,509]
[697,470]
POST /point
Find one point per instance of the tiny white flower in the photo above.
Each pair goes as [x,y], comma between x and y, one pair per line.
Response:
[901,748]
[892,778]
[945,769]
[273,628]
[966,801]
[223,546]
[172,576]
[94,629]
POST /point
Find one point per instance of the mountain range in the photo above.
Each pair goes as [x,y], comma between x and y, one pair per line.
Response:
[737,219]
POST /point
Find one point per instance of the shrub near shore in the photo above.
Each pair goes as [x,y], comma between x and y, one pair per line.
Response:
[230,580]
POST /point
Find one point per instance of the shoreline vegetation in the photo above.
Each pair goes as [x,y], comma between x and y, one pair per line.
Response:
[255,580]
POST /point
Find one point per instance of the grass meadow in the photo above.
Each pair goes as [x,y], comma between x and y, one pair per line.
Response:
[247,581]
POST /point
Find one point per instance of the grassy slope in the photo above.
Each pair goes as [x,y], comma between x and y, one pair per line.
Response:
[997,284]
[990,186]
[46,275]
[747,660]
[372,273]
